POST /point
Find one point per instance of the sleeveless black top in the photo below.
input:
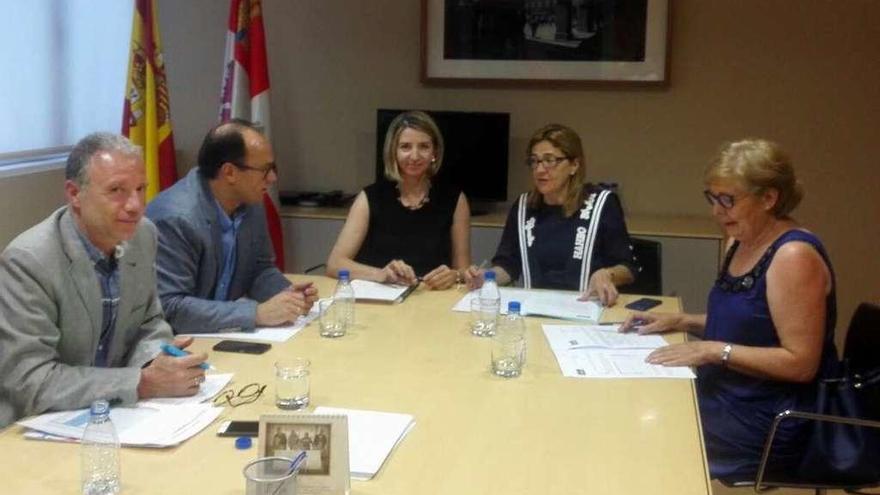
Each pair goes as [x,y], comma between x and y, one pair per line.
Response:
[422,238]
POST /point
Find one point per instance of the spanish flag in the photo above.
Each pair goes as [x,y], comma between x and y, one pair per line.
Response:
[146,116]
[244,92]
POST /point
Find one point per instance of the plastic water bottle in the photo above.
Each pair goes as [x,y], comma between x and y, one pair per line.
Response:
[509,343]
[100,453]
[490,299]
[514,324]
[344,297]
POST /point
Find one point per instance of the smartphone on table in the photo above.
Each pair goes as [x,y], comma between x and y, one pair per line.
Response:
[241,347]
[643,304]
[239,429]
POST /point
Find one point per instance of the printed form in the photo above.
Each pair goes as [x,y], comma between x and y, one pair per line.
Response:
[600,351]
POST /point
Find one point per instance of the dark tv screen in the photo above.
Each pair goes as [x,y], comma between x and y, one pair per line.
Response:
[475,150]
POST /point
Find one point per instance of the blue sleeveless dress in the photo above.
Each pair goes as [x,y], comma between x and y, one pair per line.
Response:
[736,409]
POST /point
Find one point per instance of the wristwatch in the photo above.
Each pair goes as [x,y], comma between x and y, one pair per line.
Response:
[725,354]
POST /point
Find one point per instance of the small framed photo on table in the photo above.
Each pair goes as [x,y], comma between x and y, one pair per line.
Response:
[324,438]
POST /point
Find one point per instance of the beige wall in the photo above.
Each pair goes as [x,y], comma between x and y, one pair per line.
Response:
[803,73]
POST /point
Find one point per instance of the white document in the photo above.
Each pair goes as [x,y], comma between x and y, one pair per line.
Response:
[138,426]
[599,351]
[555,304]
[615,363]
[566,337]
[367,290]
[371,437]
[266,334]
[212,385]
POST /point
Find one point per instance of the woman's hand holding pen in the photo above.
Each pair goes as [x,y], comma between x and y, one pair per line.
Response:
[397,272]
[473,275]
[440,278]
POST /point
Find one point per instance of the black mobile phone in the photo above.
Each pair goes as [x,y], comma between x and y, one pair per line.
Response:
[239,429]
[243,347]
[643,304]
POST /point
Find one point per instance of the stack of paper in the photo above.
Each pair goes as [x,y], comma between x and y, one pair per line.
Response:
[371,437]
[598,351]
[149,423]
[555,304]
[366,290]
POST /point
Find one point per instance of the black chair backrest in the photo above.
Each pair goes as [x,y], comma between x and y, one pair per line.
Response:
[862,347]
[649,280]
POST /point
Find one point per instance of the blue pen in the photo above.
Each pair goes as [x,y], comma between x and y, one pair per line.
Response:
[174,351]
[294,467]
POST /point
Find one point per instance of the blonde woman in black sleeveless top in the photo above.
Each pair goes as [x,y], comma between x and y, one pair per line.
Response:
[408,227]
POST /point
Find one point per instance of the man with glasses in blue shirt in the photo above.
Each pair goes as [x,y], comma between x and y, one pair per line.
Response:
[215,263]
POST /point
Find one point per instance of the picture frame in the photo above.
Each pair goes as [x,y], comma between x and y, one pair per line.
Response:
[323,437]
[517,43]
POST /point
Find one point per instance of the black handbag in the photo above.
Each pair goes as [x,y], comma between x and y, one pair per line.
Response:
[844,453]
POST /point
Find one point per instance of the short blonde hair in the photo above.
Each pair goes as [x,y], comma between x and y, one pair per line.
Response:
[569,143]
[758,165]
[419,121]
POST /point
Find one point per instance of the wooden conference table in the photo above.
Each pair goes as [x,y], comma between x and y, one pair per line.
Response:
[475,433]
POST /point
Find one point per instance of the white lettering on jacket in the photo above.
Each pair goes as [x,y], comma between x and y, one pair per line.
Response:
[579,240]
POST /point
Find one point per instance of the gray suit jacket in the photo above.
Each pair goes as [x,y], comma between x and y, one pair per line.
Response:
[190,260]
[51,318]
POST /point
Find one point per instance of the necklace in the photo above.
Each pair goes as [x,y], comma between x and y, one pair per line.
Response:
[421,202]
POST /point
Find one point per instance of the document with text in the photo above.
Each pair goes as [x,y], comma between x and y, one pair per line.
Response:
[597,351]
[137,426]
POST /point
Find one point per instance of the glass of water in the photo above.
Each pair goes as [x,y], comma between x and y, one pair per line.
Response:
[331,319]
[292,383]
[483,318]
[508,354]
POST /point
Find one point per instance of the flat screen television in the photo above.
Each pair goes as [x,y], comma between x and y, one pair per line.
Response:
[475,150]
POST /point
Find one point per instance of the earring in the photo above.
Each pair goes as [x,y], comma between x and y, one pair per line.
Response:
[433,159]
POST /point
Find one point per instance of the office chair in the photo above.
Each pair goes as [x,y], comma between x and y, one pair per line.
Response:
[861,356]
[649,281]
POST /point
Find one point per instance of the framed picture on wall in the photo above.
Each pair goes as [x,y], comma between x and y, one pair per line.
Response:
[523,42]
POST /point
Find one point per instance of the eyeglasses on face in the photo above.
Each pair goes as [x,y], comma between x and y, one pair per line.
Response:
[724,200]
[246,395]
[271,167]
[549,161]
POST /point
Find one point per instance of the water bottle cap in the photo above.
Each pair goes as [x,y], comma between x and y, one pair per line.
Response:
[343,274]
[489,275]
[513,307]
[243,443]
[100,407]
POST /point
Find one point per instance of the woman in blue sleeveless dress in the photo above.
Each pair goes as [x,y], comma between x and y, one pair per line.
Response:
[768,335]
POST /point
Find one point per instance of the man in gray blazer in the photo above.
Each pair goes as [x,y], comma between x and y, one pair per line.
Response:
[215,263]
[80,318]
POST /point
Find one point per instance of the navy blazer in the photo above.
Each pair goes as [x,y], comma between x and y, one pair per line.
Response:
[189,260]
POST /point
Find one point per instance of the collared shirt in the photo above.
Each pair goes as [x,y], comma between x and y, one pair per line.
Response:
[107,271]
[228,233]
